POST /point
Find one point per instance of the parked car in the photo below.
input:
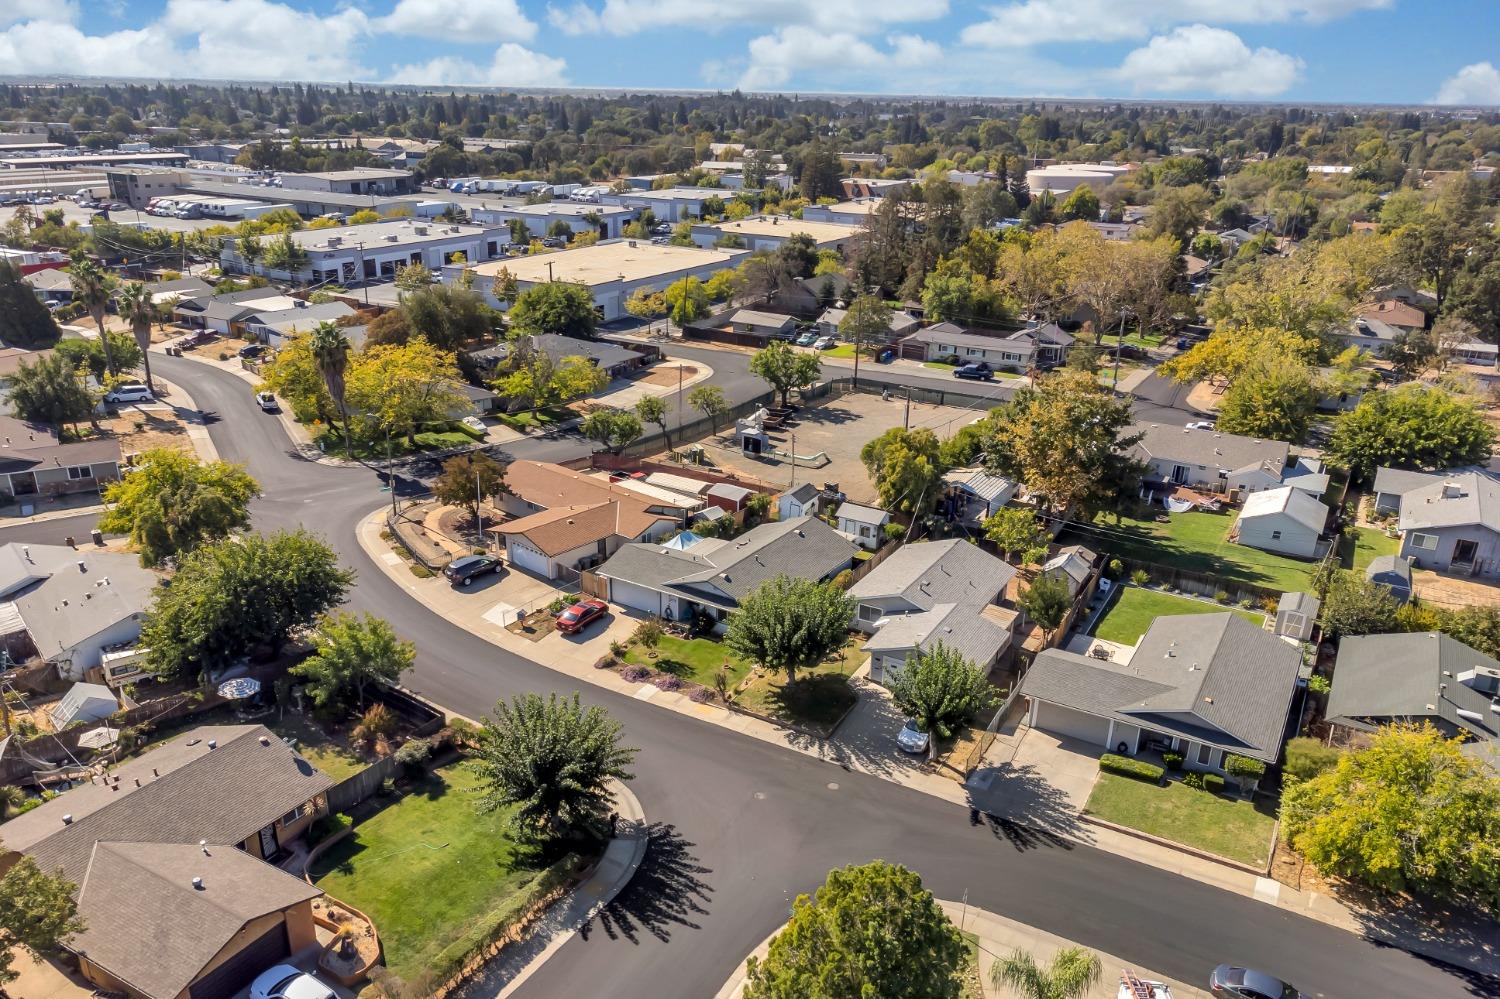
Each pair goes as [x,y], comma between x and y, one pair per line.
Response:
[978,372]
[1201,425]
[250,350]
[267,402]
[661,229]
[463,571]
[1245,983]
[286,982]
[581,615]
[128,393]
[806,339]
[825,343]
[912,739]
[885,356]
[475,423]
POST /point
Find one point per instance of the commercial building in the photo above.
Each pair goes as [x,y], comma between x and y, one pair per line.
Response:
[844,212]
[608,221]
[1063,178]
[671,204]
[69,161]
[767,232]
[377,249]
[611,270]
[360,180]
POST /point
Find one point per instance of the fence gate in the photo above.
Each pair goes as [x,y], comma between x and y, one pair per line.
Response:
[594,585]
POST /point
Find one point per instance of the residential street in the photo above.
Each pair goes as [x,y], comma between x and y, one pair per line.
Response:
[741,826]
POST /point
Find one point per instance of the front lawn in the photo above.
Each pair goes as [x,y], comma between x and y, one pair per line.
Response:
[434,874]
[332,442]
[542,419]
[817,700]
[1135,608]
[1367,544]
[1196,541]
[697,660]
[1205,821]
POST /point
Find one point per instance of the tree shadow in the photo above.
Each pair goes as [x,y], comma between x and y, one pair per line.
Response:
[667,891]
[1020,806]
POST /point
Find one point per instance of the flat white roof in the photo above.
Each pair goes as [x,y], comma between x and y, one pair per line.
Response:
[611,260]
[573,208]
[784,225]
[863,206]
[373,234]
[684,193]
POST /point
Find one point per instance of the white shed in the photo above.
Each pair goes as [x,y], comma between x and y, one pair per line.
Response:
[1285,520]
[84,702]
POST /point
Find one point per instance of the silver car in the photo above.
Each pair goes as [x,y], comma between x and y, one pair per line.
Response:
[911,738]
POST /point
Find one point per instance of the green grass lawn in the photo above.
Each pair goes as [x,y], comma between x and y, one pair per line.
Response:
[1196,541]
[1366,545]
[1135,608]
[817,699]
[375,450]
[429,869]
[1229,828]
[695,659]
[540,420]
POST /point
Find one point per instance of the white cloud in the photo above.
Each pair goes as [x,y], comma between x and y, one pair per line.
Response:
[261,40]
[42,48]
[513,66]
[1032,22]
[629,17]
[460,20]
[803,51]
[1477,83]
[56,11]
[1203,60]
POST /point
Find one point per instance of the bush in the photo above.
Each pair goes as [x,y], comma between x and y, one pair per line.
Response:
[1221,596]
[1319,684]
[413,755]
[1124,766]
[618,649]
[468,431]
[666,681]
[327,825]
[1172,760]
[844,580]
[1140,577]
[1115,568]
[701,696]
[1193,779]
[1213,783]
[1243,766]
[1306,758]
[635,674]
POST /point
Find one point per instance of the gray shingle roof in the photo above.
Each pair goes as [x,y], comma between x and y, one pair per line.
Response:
[1206,447]
[1399,481]
[937,572]
[982,484]
[1293,503]
[1213,678]
[999,341]
[73,604]
[1383,678]
[802,493]
[1299,603]
[1392,571]
[1459,500]
[960,628]
[861,514]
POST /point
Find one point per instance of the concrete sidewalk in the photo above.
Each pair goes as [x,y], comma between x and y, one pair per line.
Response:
[1000,937]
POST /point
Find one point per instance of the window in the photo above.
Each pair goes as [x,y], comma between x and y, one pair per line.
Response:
[869,612]
[1424,542]
[294,814]
[80,471]
[1205,755]
[1275,535]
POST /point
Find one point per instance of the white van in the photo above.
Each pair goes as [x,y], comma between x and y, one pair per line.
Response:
[130,392]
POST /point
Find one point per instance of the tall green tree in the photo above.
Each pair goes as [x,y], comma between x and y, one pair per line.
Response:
[555,307]
[38,911]
[51,390]
[1070,974]
[232,598]
[1046,601]
[1016,532]
[1412,812]
[467,477]
[92,288]
[1411,426]
[24,321]
[868,931]
[906,467]
[710,401]
[330,353]
[789,623]
[867,320]
[350,655]
[687,299]
[1273,401]
[653,409]
[1354,605]
[784,368]
[139,309]
[941,690]
[399,388]
[552,761]
[89,355]
[450,317]
[172,503]
[613,428]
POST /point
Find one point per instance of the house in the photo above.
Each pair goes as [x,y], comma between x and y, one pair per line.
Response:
[901,324]
[614,359]
[51,284]
[1349,390]
[179,290]
[1394,313]
[1283,520]
[1416,677]
[712,575]
[566,521]
[1393,483]
[276,326]
[1453,525]
[220,313]
[872,187]
[1036,346]
[933,591]
[973,495]
[373,250]
[844,212]
[1392,572]
[34,462]
[763,324]
[864,525]
[803,501]
[1369,335]
[84,702]
[1207,459]
[1073,564]
[809,296]
[1475,352]
[169,852]
[1296,614]
[1204,685]
[768,232]
[1195,269]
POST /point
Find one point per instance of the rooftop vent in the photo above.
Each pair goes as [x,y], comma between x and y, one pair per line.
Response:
[1452,490]
[203,845]
[213,744]
[264,741]
[68,819]
[197,884]
[82,566]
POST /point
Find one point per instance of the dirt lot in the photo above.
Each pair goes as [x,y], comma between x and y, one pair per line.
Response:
[839,429]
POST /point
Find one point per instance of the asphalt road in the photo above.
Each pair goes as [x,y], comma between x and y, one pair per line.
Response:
[741,826]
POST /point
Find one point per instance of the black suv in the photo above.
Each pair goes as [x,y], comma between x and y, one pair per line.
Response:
[463,571]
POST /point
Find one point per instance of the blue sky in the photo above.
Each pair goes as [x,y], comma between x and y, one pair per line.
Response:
[1404,51]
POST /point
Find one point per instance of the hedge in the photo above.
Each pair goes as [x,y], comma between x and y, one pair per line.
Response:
[1213,783]
[1124,766]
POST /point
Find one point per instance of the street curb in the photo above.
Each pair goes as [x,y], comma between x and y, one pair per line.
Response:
[1259,872]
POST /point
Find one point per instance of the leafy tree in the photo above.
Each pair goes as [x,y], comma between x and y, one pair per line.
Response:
[449,317]
[1274,401]
[555,307]
[88,355]
[867,320]
[869,931]
[467,477]
[551,760]
[784,368]
[1072,973]
[1355,605]
[1082,204]
[330,354]
[1046,601]
[1016,532]
[1306,758]
[396,388]
[710,401]
[653,409]
[1413,812]
[1411,426]
[351,654]
[644,303]
[906,467]
[613,428]
[92,288]
[138,308]
[790,623]
[232,597]
[293,374]
[504,287]
[687,299]
[51,390]
[172,503]
[24,321]
[38,911]
[941,690]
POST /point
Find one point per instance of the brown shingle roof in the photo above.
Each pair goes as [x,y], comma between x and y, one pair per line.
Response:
[548,486]
[564,528]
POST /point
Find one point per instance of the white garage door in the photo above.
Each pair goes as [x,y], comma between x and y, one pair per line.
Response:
[528,558]
[634,596]
[1074,724]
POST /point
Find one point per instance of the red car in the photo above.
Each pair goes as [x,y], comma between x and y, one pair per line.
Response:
[581,615]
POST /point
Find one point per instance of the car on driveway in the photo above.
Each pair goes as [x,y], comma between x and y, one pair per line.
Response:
[911,738]
[581,615]
[267,402]
[1247,983]
[825,343]
[463,571]
[979,372]
[250,350]
[807,339]
[128,393]
[475,423]
[286,982]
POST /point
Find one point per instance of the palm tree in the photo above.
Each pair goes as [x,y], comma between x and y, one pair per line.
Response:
[1072,973]
[137,305]
[330,349]
[92,287]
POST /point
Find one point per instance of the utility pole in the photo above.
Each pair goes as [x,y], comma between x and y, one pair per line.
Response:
[679,394]
[5,665]
[390,470]
[906,420]
[857,341]
[794,460]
